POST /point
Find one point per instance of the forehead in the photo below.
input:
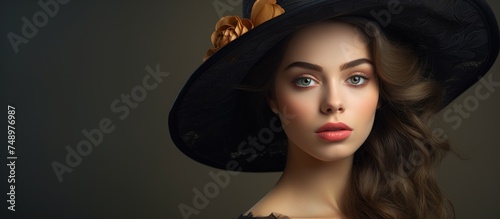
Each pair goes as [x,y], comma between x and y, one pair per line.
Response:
[323,28]
[332,39]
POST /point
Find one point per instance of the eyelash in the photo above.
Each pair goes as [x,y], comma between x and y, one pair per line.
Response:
[296,80]
[362,76]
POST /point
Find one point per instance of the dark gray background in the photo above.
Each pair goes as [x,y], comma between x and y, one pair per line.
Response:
[65,78]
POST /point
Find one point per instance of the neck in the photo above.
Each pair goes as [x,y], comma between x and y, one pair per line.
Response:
[321,184]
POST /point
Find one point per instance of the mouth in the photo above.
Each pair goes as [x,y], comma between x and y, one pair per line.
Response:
[332,127]
[334,131]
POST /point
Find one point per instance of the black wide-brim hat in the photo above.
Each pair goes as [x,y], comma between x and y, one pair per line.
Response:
[459,39]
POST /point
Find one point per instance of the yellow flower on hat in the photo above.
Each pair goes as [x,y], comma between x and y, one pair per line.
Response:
[229,28]
[264,10]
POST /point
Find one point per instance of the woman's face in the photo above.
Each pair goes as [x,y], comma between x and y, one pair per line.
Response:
[326,91]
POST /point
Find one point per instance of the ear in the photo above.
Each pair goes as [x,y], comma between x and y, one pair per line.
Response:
[271,102]
[379,103]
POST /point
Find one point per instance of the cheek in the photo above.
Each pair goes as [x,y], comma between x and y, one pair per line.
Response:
[365,107]
[368,104]
[297,104]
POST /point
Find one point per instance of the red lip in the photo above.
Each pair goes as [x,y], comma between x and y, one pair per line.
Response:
[334,131]
[333,127]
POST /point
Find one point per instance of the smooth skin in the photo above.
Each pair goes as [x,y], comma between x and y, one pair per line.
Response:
[326,76]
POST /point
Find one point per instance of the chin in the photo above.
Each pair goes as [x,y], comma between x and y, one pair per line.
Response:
[333,156]
[332,152]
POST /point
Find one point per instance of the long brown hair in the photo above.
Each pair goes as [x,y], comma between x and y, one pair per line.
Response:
[393,171]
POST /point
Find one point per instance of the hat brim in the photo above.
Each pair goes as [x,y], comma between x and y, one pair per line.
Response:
[458,39]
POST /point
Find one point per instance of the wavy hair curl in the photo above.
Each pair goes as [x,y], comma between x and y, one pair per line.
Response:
[394,170]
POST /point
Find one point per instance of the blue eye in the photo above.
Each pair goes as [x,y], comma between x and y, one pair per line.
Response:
[357,80]
[304,82]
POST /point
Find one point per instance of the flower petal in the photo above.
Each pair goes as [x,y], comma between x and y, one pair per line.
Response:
[229,28]
[264,10]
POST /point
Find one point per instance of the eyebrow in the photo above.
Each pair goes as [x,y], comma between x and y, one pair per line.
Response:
[343,67]
[306,65]
[355,63]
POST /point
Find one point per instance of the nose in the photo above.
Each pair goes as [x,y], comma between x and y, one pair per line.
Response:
[332,102]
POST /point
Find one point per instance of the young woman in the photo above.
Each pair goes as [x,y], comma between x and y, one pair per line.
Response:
[336,94]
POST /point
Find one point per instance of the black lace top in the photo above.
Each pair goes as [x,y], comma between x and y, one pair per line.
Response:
[271,216]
